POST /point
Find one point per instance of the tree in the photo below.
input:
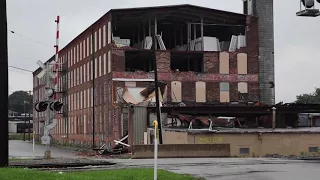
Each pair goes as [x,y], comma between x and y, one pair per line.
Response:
[312,98]
[17,100]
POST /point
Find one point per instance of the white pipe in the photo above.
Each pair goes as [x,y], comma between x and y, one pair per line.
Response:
[124,138]
[155,153]
[118,142]
[33,142]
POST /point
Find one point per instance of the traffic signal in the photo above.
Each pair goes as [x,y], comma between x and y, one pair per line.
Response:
[56,106]
[41,106]
[308,3]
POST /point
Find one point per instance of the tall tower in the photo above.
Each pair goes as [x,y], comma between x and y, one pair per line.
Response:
[263,9]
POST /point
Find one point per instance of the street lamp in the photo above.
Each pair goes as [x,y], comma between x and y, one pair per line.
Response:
[308,8]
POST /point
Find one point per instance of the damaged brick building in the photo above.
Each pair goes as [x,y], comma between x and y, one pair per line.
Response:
[204,56]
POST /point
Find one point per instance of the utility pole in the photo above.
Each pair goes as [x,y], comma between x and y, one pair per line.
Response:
[29,109]
[25,119]
[4,152]
[154,41]
[47,153]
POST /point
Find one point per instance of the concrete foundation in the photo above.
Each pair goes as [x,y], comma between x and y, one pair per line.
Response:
[47,154]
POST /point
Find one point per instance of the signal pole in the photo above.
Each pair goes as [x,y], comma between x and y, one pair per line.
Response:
[4,152]
[47,153]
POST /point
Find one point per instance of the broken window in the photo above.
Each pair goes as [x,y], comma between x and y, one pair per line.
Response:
[139,61]
[243,91]
[181,61]
[224,92]
[176,91]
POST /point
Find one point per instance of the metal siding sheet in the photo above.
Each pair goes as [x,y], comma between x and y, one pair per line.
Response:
[304,120]
[153,116]
[139,123]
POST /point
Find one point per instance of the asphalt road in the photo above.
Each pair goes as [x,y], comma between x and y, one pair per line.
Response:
[235,169]
[23,149]
[209,168]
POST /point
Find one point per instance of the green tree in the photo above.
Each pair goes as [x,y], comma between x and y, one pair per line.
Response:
[17,100]
[312,98]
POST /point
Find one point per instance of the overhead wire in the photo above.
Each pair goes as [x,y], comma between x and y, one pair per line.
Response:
[13,32]
[21,69]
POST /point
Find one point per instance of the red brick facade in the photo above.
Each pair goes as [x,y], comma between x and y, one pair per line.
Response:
[77,129]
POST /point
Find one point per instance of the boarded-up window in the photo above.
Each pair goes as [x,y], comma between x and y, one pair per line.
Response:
[314,149]
[109,32]
[176,91]
[200,92]
[224,92]
[109,61]
[224,63]
[243,87]
[242,63]
[244,151]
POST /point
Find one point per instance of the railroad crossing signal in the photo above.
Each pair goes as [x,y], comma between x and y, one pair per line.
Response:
[53,106]
[41,106]
[56,106]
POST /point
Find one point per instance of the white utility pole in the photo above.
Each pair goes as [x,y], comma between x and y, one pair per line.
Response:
[155,175]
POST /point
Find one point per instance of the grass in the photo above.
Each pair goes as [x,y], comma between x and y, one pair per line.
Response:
[17,136]
[119,174]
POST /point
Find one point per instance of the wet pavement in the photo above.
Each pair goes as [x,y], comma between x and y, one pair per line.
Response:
[235,168]
[23,149]
[209,168]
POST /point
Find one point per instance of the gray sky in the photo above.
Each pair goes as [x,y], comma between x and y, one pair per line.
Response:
[296,54]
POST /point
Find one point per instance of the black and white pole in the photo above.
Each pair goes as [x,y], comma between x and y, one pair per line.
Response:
[4,150]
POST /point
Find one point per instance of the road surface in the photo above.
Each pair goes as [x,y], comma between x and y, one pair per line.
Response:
[235,168]
[23,149]
[209,168]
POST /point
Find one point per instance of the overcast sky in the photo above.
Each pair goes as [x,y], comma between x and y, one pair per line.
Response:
[296,38]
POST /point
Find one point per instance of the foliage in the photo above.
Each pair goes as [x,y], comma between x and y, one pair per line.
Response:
[17,136]
[119,174]
[17,100]
[312,98]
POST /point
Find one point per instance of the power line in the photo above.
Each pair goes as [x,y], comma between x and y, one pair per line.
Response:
[13,32]
[21,69]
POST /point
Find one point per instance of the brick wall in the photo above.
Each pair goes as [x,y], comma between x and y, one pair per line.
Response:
[211,75]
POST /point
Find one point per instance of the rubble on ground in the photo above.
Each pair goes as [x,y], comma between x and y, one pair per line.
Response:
[302,156]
